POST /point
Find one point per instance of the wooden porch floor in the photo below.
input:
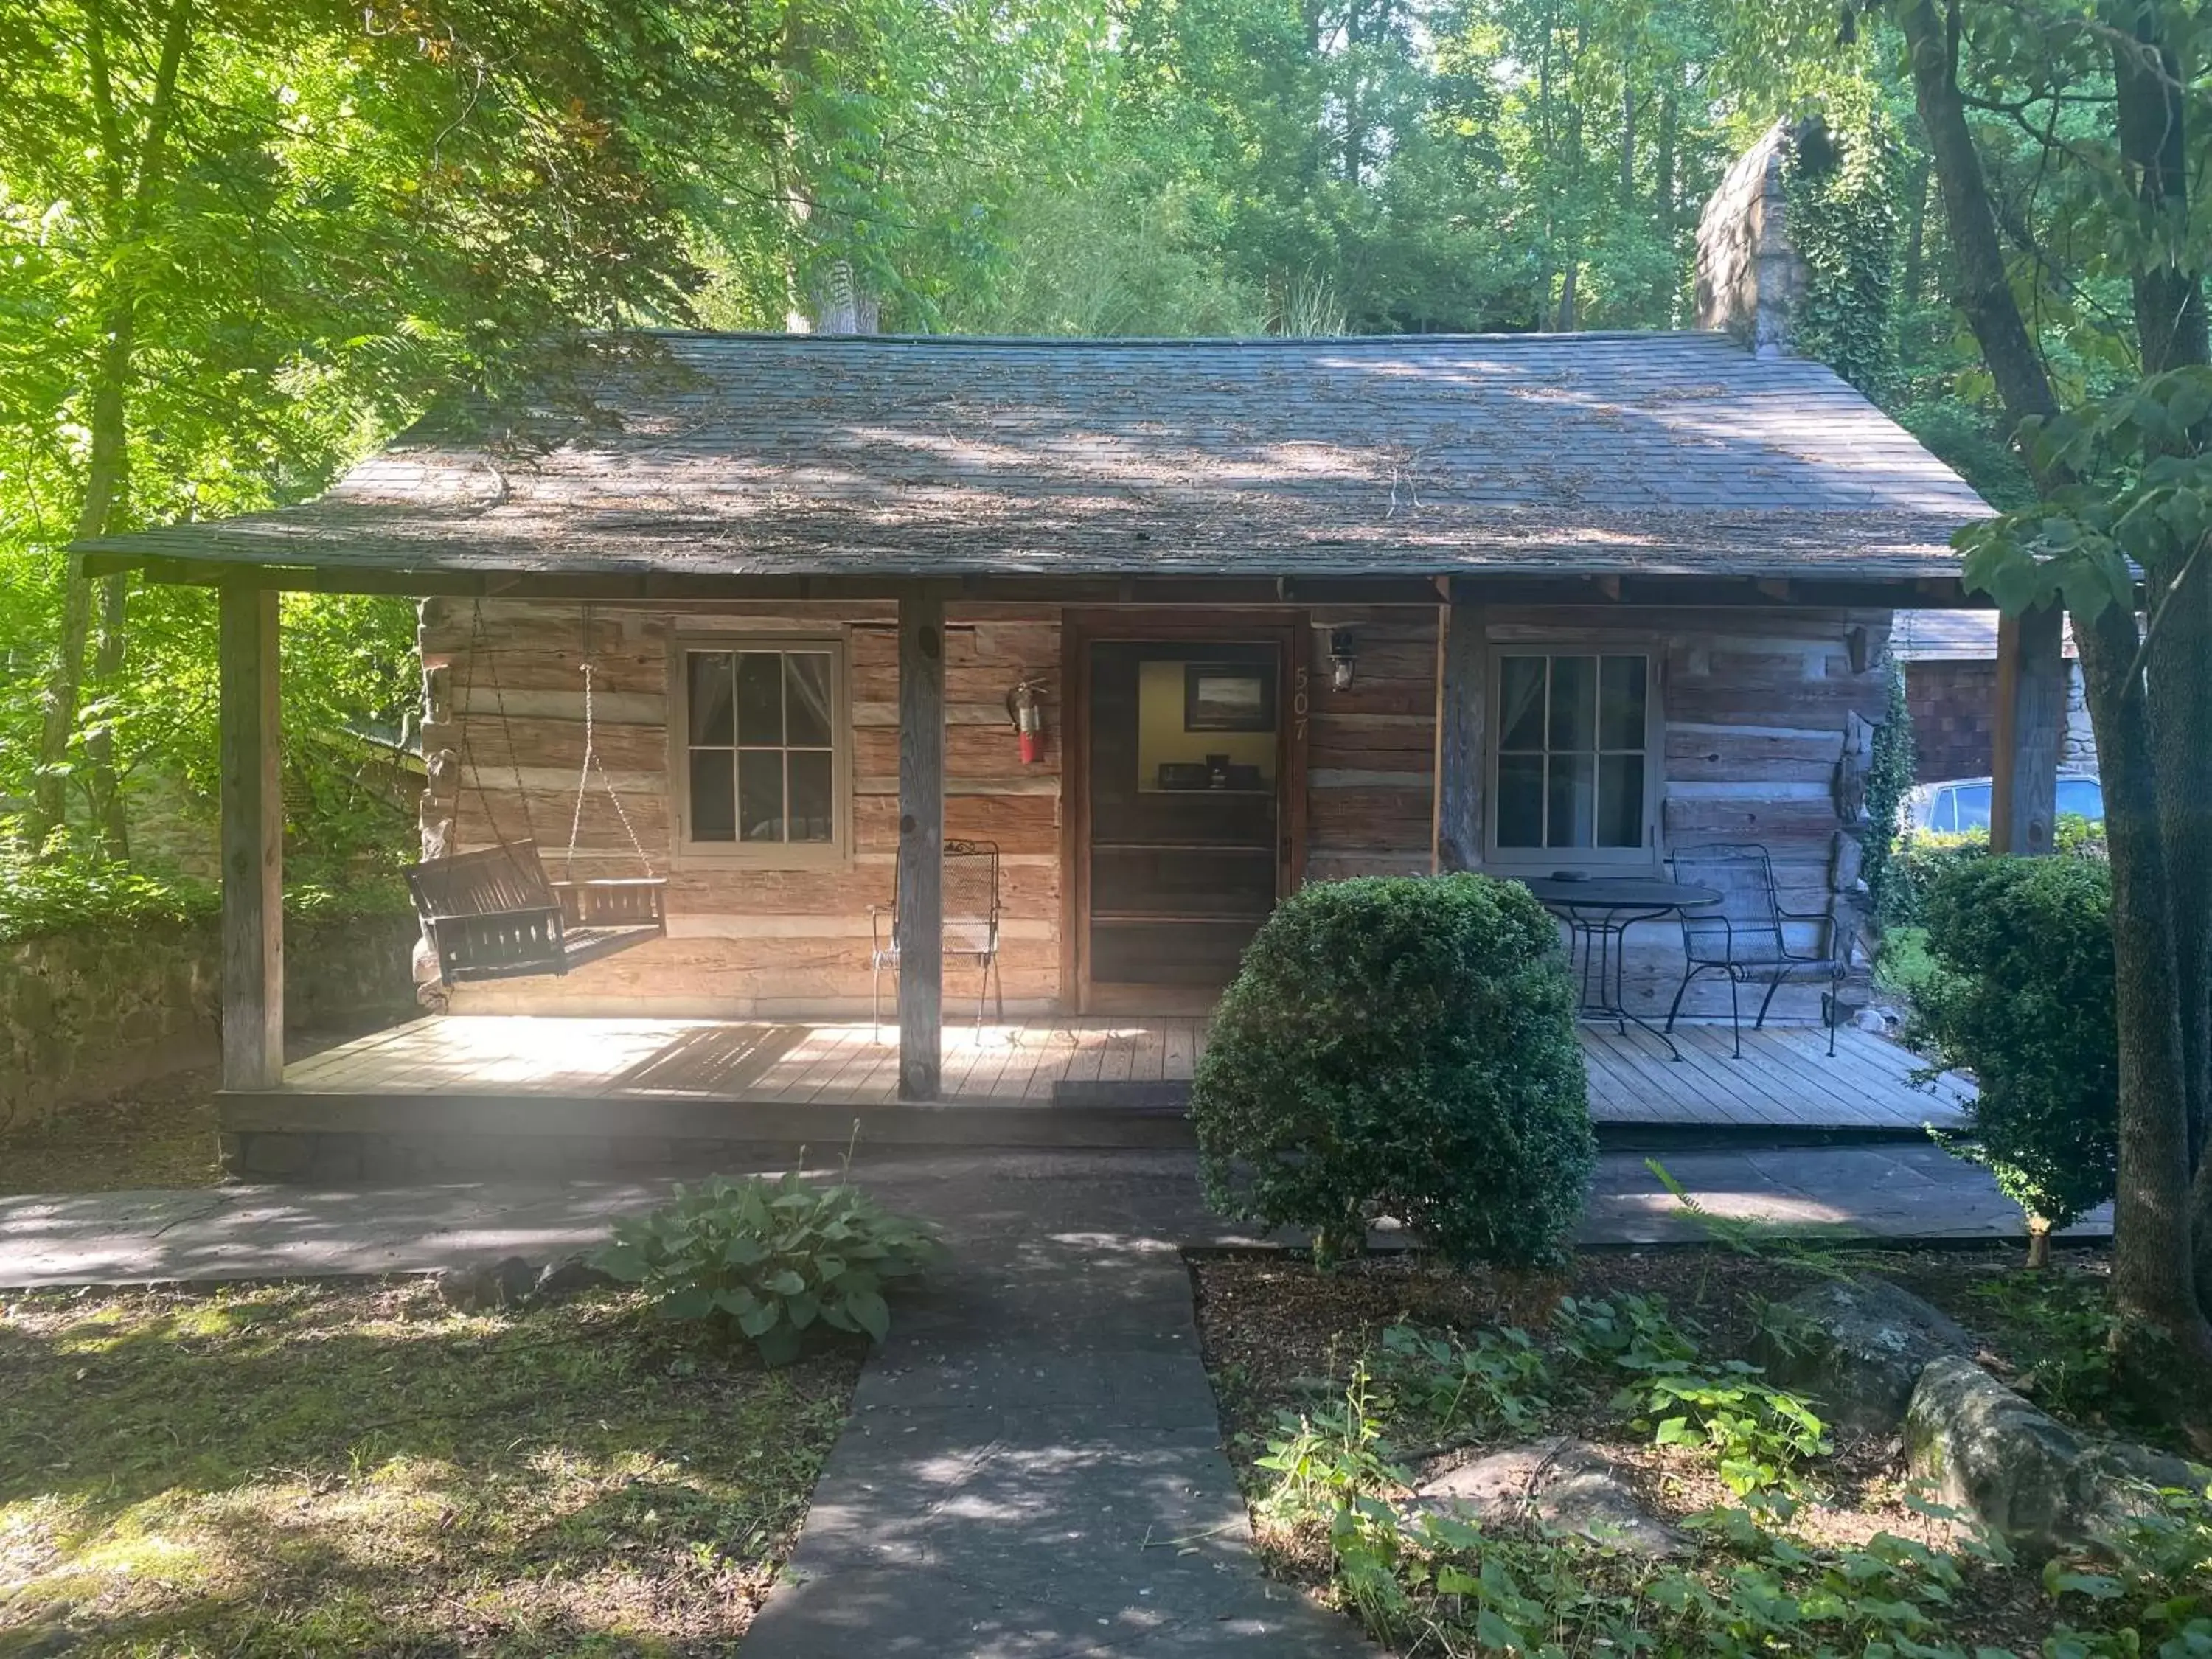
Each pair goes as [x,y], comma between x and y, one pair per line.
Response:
[1786,1078]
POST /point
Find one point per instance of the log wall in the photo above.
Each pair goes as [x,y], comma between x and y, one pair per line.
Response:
[1755,706]
[744,940]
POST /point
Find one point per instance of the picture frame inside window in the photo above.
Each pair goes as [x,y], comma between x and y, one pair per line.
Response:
[1228,697]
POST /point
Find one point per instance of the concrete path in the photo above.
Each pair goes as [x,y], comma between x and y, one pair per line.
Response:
[249,1232]
[1033,1464]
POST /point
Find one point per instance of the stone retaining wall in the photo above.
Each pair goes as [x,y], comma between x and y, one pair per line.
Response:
[86,1013]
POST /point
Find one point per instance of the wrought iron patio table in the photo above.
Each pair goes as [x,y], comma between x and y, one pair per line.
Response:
[1599,910]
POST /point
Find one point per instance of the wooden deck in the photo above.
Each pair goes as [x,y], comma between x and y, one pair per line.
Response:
[1785,1079]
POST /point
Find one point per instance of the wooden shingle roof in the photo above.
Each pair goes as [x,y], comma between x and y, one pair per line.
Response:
[780,455]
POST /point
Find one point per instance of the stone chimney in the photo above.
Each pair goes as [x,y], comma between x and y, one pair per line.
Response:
[1749,278]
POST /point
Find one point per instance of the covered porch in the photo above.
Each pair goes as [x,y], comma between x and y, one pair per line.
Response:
[530,1091]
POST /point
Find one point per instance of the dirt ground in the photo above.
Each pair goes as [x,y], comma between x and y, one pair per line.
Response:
[1278,1338]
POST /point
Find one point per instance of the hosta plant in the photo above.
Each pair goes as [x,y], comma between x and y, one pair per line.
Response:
[770,1260]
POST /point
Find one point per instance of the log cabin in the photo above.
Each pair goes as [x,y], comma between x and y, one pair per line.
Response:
[1273,611]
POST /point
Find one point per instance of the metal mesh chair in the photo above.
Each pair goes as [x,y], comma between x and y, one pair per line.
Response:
[1743,933]
[971,902]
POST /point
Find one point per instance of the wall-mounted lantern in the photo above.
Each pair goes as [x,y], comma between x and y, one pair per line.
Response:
[1342,659]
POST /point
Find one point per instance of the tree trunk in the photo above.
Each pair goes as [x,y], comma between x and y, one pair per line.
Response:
[2171,331]
[109,818]
[105,469]
[1565,322]
[2162,1341]
[108,461]
[1627,146]
[2164,1345]
[1985,287]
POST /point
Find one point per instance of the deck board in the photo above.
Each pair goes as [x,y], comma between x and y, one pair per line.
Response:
[1784,1080]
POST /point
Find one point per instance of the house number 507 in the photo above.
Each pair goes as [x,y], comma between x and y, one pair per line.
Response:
[1299,700]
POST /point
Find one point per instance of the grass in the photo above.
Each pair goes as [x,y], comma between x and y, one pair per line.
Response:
[294,1470]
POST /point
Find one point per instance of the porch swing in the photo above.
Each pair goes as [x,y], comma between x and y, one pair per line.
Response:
[492,914]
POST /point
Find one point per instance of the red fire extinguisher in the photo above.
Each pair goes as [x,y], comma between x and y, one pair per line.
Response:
[1026,710]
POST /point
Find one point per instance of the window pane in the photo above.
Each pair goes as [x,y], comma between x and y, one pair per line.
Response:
[1574,703]
[811,799]
[713,796]
[1620,800]
[760,698]
[1520,800]
[760,794]
[1973,807]
[1945,817]
[1620,702]
[710,698]
[806,700]
[1521,703]
[1573,805]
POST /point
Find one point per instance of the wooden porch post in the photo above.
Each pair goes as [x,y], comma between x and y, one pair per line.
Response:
[1458,843]
[921,920]
[2031,716]
[252,842]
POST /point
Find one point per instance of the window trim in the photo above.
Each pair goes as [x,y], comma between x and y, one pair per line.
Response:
[1647,858]
[837,853]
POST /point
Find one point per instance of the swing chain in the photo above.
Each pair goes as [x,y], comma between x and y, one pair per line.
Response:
[584,777]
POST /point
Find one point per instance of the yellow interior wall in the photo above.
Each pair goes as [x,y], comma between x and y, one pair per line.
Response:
[1161,735]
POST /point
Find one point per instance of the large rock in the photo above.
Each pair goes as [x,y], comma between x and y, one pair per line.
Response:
[1991,1455]
[1858,1346]
[1995,1456]
[1568,1485]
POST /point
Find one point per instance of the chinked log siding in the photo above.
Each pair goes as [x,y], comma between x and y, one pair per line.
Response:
[507,693]
[1370,749]
[1755,705]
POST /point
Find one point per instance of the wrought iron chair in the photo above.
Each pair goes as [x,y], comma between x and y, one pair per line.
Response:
[970,900]
[1743,934]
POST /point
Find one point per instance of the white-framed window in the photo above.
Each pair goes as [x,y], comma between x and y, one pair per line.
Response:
[762,742]
[1574,755]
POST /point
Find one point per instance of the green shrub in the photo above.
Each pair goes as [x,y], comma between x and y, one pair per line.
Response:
[1402,1046]
[2021,995]
[768,1260]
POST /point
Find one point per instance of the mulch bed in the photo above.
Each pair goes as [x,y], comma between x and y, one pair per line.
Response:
[1276,1336]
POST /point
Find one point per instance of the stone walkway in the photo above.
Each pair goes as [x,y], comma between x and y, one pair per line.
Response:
[1033,1465]
[254,1232]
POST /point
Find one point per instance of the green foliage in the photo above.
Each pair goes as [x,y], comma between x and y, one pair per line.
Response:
[1889,780]
[1841,196]
[1330,1459]
[1403,1046]
[2062,1323]
[2023,995]
[1436,1583]
[1759,1435]
[60,896]
[2149,1592]
[1628,1332]
[767,1260]
[1498,1384]
[80,891]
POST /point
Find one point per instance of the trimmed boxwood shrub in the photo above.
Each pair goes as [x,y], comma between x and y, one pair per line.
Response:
[2021,995]
[1401,1046]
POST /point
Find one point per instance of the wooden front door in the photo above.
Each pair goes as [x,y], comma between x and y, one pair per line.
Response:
[1182,833]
